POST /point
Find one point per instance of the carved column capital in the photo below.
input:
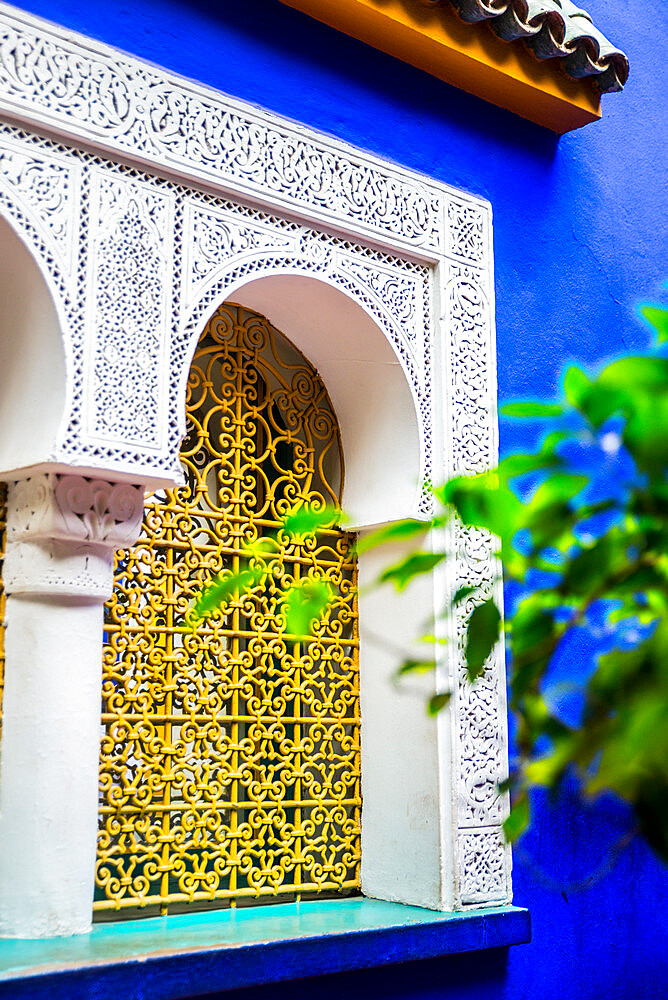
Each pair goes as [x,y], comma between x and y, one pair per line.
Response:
[62,531]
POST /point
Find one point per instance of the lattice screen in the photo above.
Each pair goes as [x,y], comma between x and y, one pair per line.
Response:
[230,765]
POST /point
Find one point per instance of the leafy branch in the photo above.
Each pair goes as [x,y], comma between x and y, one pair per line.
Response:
[303,603]
[582,529]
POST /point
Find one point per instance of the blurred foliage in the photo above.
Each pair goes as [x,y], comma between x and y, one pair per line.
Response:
[582,529]
[302,604]
[582,526]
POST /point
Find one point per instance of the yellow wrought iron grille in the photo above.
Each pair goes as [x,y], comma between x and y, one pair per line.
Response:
[230,766]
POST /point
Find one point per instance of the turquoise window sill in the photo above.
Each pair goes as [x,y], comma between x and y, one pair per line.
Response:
[180,956]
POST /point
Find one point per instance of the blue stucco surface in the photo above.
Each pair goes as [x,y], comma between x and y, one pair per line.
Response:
[581,235]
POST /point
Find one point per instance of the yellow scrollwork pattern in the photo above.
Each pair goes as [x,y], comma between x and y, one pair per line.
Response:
[230,764]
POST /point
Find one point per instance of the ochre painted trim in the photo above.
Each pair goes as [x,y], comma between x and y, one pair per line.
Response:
[468,56]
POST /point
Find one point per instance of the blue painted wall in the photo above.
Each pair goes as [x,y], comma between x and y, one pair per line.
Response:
[581,234]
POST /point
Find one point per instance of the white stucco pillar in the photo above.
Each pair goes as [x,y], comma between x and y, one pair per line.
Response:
[62,531]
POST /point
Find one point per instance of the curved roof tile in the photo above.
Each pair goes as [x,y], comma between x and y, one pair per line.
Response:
[553,29]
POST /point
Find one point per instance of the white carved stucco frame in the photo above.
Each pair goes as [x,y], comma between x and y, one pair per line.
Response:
[104,158]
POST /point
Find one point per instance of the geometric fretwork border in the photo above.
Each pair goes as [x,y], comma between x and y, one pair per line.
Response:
[144,197]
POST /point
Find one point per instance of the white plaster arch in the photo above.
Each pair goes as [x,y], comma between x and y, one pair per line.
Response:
[374,399]
[259,183]
[405,827]
[33,368]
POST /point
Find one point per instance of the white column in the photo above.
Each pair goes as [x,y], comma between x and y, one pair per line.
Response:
[407,774]
[62,531]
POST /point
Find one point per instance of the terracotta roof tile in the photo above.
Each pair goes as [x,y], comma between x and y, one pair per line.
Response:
[552,29]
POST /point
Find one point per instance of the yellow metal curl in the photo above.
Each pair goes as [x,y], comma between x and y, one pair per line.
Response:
[230,751]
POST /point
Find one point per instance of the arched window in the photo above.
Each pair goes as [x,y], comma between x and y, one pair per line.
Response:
[230,763]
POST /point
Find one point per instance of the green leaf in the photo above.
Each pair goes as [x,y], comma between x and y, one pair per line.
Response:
[593,567]
[261,548]
[635,387]
[533,637]
[309,520]
[635,376]
[657,317]
[437,702]
[518,820]
[483,631]
[550,516]
[548,770]
[415,667]
[558,488]
[576,386]
[414,565]
[521,464]
[462,593]
[636,746]
[532,410]
[304,603]
[398,531]
[550,442]
[225,588]
[484,501]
